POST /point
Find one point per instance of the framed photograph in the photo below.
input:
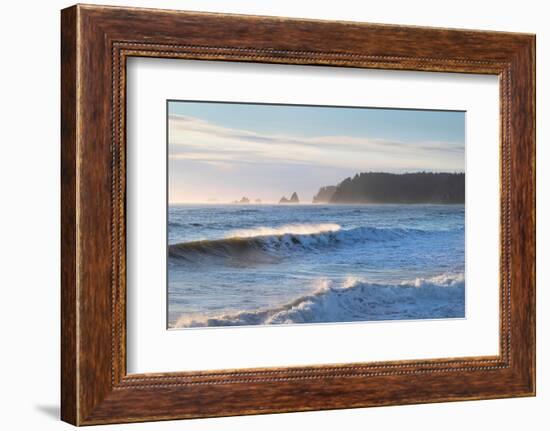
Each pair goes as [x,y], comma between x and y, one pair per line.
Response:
[264,214]
[382,245]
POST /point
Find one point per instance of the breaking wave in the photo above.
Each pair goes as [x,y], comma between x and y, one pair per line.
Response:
[265,244]
[355,300]
[287,229]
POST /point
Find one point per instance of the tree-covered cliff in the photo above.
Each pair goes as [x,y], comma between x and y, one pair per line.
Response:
[380,187]
[324,195]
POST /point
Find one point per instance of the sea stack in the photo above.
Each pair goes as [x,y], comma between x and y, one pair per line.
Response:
[244,200]
[293,199]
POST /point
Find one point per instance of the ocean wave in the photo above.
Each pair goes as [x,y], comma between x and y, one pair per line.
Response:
[266,244]
[354,300]
[247,211]
[287,229]
[175,224]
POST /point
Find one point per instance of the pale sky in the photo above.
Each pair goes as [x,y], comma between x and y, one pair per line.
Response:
[224,151]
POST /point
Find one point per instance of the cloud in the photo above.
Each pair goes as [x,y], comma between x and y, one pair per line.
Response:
[194,139]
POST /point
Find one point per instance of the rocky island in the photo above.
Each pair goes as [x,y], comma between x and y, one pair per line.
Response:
[293,199]
[244,200]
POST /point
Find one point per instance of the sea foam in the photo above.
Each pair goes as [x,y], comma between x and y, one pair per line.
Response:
[354,300]
[287,229]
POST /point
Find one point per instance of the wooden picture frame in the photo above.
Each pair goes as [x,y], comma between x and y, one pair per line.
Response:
[95,43]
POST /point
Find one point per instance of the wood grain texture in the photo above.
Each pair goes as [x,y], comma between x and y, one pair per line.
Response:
[96,41]
[69,367]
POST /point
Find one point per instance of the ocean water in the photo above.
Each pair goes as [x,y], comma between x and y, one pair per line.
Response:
[287,264]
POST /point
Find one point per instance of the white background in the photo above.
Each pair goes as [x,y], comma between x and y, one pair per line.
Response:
[29,228]
[151,348]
